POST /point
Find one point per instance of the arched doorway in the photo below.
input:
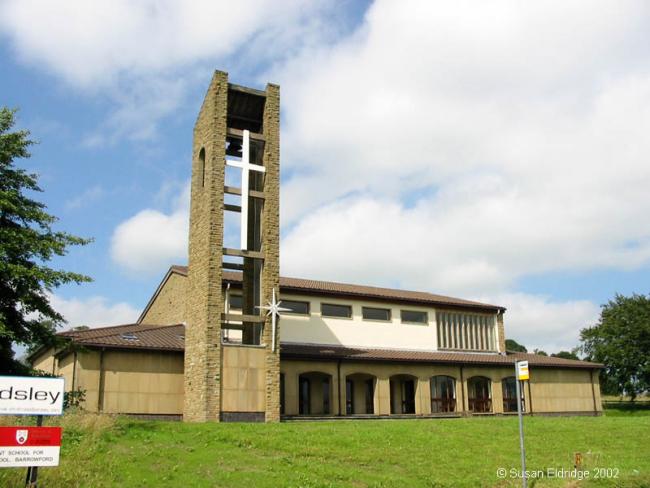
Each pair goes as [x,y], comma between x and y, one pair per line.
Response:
[479,394]
[360,394]
[443,394]
[315,393]
[402,394]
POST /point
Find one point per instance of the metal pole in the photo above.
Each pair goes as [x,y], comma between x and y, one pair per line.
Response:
[32,471]
[524,480]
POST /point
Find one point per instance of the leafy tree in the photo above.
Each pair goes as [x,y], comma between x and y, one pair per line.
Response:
[514,346]
[27,243]
[566,355]
[539,352]
[621,341]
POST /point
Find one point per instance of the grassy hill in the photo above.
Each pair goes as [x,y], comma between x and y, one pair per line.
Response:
[106,451]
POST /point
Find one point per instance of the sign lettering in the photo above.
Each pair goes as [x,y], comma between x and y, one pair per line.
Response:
[23,395]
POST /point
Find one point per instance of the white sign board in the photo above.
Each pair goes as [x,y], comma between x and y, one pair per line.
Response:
[29,456]
[522,370]
[26,395]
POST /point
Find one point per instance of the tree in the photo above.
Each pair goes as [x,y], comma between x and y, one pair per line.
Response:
[514,346]
[27,243]
[621,341]
[566,355]
[539,352]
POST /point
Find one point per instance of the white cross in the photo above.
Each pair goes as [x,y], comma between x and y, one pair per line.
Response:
[274,310]
[245,167]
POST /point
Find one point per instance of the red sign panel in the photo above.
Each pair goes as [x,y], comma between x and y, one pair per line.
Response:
[29,446]
[30,436]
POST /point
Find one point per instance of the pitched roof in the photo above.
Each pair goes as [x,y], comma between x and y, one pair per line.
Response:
[132,336]
[299,285]
[172,338]
[322,351]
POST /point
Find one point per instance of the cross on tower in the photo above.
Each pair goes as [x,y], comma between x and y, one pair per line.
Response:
[246,167]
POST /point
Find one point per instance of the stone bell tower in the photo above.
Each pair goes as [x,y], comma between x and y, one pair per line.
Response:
[232,362]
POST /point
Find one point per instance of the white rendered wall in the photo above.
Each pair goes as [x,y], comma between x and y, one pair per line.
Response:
[316,329]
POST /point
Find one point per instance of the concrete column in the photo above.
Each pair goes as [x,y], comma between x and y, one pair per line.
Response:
[425,395]
[383,396]
[291,393]
[497,396]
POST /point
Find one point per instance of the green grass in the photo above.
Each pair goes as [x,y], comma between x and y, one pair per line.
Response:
[103,451]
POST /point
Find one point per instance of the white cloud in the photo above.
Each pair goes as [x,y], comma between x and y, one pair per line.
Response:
[93,43]
[94,311]
[540,322]
[146,56]
[152,240]
[474,142]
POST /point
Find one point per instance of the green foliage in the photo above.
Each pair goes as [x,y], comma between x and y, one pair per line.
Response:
[74,399]
[539,352]
[514,346]
[621,341]
[27,242]
[566,355]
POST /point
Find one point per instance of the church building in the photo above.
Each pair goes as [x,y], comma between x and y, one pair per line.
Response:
[227,338]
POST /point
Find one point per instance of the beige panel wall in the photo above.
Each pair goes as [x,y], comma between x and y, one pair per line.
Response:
[45,361]
[65,367]
[243,379]
[564,390]
[168,306]
[553,390]
[87,378]
[143,382]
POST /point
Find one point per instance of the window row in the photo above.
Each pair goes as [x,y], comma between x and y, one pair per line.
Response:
[479,394]
[315,393]
[335,310]
[475,332]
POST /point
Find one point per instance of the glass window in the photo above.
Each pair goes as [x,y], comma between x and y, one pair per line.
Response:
[332,310]
[414,316]
[370,313]
[480,397]
[296,307]
[236,302]
[443,394]
[509,387]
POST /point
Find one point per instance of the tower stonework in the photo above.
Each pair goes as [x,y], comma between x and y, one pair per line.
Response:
[232,371]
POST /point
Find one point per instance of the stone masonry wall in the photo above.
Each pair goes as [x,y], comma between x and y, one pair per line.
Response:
[204,297]
[502,333]
[271,244]
[169,305]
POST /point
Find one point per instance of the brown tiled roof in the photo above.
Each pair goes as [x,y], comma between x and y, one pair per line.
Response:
[298,285]
[171,338]
[132,336]
[315,351]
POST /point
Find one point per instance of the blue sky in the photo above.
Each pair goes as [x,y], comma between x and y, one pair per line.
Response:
[487,150]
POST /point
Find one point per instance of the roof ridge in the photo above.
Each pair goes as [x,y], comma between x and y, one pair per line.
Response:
[90,329]
[358,289]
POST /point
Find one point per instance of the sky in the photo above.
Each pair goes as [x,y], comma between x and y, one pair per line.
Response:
[491,150]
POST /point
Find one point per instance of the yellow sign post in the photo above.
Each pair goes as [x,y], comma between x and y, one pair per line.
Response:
[521,369]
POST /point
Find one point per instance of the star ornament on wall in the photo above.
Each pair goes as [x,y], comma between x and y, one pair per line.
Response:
[274,310]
